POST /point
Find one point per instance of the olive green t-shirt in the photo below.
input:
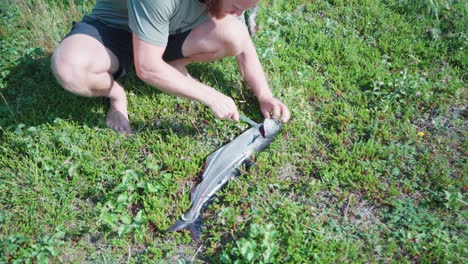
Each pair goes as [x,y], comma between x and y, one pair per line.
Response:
[151,20]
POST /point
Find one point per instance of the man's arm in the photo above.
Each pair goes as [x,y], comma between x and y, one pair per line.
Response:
[252,72]
[152,69]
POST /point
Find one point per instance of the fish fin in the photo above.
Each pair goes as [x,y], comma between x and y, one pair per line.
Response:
[249,163]
[179,225]
[195,229]
[193,226]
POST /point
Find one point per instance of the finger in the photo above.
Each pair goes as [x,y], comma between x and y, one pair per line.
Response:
[276,111]
[266,113]
[235,116]
[286,115]
[235,112]
[219,115]
[227,115]
[216,115]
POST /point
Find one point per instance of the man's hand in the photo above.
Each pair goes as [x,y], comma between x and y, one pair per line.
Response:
[223,107]
[271,105]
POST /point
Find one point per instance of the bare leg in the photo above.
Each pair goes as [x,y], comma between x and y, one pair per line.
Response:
[213,40]
[83,66]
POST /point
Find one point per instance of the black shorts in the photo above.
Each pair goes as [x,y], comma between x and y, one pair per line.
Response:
[119,42]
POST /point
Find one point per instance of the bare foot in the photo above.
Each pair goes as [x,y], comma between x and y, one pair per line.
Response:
[117,116]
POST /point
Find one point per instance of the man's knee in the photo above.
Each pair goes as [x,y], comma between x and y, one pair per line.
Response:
[236,36]
[70,72]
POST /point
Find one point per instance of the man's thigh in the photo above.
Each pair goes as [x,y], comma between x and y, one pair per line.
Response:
[214,35]
[85,52]
[98,47]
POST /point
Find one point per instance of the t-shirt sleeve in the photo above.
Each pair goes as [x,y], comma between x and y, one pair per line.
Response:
[149,20]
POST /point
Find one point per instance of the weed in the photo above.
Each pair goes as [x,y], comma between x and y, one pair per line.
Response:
[259,246]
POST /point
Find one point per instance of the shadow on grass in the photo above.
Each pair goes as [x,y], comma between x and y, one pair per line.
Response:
[33,97]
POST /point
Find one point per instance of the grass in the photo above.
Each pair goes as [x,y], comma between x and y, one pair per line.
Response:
[371,167]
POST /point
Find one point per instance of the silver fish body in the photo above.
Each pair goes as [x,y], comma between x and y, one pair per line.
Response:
[221,166]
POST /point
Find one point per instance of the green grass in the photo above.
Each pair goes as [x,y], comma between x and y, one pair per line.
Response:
[370,169]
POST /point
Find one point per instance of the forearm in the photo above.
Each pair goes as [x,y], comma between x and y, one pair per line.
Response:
[152,69]
[252,72]
[168,79]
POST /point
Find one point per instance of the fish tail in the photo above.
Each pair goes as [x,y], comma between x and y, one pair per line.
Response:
[193,226]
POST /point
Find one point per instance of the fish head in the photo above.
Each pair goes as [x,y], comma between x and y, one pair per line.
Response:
[270,127]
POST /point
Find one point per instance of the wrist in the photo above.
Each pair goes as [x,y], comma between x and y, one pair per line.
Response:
[262,92]
[265,96]
[208,95]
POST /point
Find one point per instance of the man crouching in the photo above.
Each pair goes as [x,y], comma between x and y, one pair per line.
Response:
[161,38]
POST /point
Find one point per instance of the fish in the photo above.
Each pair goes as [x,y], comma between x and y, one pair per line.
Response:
[221,166]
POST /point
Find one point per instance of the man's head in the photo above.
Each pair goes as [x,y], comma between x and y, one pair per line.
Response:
[220,8]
